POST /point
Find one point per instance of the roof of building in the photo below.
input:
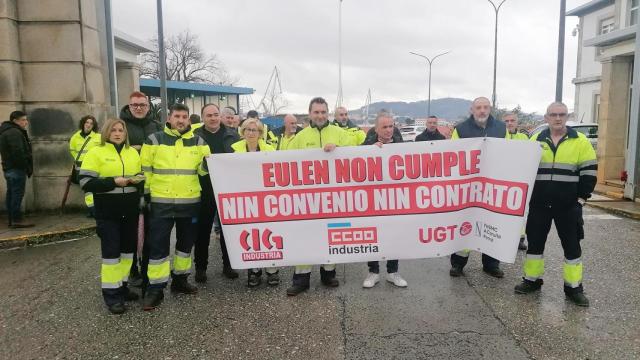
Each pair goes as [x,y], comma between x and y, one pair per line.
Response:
[123,39]
[197,87]
[589,7]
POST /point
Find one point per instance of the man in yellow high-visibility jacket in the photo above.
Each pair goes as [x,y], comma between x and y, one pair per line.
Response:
[319,134]
[566,178]
[171,161]
[342,120]
[511,121]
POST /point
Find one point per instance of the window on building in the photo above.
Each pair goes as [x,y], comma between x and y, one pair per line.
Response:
[634,5]
[607,25]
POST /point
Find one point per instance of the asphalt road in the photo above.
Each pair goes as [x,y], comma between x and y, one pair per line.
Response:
[51,307]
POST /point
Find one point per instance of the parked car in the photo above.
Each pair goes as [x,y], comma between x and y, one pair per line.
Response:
[409,133]
[589,130]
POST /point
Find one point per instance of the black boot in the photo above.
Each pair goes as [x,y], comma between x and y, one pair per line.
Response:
[328,278]
[528,286]
[254,278]
[135,279]
[117,308]
[180,284]
[201,276]
[578,298]
[229,273]
[273,279]
[128,295]
[299,284]
[152,299]
[522,245]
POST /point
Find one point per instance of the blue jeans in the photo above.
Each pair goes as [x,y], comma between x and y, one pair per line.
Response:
[16,182]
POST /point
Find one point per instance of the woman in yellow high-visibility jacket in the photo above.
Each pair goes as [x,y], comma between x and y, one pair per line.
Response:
[79,144]
[112,172]
[252,132]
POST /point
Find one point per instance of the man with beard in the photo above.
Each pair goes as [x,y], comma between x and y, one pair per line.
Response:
[480,124]
[282,136]
[140,123]
[431,133]
[342,120]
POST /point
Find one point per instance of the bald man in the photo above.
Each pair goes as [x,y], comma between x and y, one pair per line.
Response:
[480,124]
[341,119]
[282,136]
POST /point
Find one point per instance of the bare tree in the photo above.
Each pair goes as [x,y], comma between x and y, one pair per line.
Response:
[186,61]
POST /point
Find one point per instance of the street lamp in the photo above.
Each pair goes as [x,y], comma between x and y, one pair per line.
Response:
[430,62]
[495,50]
[339,98]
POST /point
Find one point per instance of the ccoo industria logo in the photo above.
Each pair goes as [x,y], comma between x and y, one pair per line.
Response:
[345,239]
[259,247]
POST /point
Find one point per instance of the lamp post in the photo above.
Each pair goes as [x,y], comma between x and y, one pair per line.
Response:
[560,65]
[495,50]
[430,62]
[163,62]
[339,98]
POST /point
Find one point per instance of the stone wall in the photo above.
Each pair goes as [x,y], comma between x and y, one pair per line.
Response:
[53,66]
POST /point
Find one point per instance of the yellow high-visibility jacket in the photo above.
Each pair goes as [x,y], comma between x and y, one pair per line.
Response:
[171,163]
[241,146]
[314,137]
[76,142]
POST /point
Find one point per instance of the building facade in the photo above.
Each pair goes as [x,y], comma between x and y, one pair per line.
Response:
[606,36]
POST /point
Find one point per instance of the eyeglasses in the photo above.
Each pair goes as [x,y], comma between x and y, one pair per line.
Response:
[251,130]
[138,106]
[557,114]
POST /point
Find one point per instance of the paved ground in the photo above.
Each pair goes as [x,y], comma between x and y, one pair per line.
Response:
[50,307]
[48,227]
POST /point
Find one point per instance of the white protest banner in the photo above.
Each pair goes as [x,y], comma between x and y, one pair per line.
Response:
[363,203]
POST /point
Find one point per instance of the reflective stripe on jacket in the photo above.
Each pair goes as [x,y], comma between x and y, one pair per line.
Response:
[171,163]
[100,167]
[566,172]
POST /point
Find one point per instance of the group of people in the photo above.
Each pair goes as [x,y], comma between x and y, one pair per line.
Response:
[137,170]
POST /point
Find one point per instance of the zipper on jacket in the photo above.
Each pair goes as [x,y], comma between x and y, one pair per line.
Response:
[122,162]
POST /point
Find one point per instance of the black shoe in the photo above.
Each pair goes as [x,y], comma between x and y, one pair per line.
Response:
[254,279]
[328,278]
[456,271]
[201,276]
[273,279]
[522,245]
[578,299]
[229,273]
[153,298]
[135,279]
[130,295]
[180,284]
[527,287]
[117,309]
[494,271]
[299,284]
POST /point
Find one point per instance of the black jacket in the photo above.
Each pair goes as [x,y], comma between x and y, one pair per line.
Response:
[139,129]
[15,148]
[372,139]
[469,129]
[229,137]
[372,136]
[430,136]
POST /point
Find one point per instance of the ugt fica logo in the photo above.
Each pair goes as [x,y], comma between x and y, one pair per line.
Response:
[261,247]
[345,239]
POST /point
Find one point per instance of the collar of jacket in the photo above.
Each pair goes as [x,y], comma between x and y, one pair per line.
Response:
[175,133]
[116,147]
[490,122]
[321,126]
[546,134]
[125,114]
[348,125]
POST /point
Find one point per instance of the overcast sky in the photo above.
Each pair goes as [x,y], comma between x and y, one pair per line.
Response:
[301,38]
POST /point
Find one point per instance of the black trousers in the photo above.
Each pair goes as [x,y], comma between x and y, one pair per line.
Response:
[487,261]
[205,225]
[392,266]
[569,225]
[160,242]
[117,238]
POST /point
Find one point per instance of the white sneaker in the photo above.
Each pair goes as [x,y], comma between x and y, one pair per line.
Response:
[371,280]
[397,280]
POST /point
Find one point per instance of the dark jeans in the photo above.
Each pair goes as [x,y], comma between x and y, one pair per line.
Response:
[16,182]
[205,224]
[392,266]
[487,261]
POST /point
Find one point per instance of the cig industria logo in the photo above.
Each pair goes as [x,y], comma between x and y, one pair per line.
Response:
[263,246]
[346,239]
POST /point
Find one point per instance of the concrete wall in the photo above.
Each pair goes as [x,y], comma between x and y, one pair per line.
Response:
[52,65]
